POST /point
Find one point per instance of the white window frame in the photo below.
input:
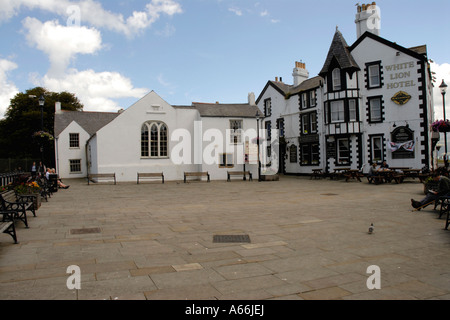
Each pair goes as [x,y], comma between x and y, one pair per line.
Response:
[72,164]
[336,77]
[337,111]
[374,77]
[374,149]
[312,98]
[375,110]
[73,140]
[305,123]
[352,110]
[162,146]
[236,132]
[341,159]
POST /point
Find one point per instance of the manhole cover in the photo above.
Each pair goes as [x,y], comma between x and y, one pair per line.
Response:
[85,231]
[329,194]
[231,238]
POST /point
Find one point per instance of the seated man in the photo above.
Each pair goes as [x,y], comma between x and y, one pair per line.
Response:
[443,190]
[373,171]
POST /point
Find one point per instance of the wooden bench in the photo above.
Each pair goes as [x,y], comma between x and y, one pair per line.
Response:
[375,179]
[7,224]
[150,176]
[243,174]
[102,176]
[16,205]
[317,174]
[196,174]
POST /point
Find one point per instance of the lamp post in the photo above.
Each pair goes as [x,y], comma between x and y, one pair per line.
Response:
[41,104]
[257,131]
[443,88]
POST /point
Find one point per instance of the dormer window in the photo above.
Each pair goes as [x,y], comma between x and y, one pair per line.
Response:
[336,78]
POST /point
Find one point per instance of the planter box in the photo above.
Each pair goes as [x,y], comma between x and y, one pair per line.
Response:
[36,199]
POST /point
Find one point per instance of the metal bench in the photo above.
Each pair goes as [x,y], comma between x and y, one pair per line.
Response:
[196,174]
[16,205]
[101,176]
[7,224]
[150,176]
[243,174]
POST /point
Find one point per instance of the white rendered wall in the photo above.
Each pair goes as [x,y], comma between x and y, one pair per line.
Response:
[65,153]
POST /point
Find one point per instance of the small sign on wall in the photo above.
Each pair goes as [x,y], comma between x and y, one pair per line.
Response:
[401,98]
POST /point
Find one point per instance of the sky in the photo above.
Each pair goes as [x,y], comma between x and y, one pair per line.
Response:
[112,53]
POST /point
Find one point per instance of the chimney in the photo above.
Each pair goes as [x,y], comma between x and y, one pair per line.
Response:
[251,99]
[300,73]
[58,108]
[368,18]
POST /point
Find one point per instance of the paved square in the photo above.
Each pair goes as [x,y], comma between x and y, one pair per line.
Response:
[309,240]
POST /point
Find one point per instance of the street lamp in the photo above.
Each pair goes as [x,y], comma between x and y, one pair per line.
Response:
[41,104]
[443,88]
[257,130]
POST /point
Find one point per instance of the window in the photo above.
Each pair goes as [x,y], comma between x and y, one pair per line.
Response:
[375,110]
[293,153]
[75,166]
[226,160]
[312,98]
[373,76]
[309,123]
[74,140]
[343,151]
[236,131]
[154,140]
[305,123]
[315,154]
[304,100]
[268,127]
[306,154]
[267,108]
[336,78]
[377,148]
[337,111]
[352,113]
[310,154]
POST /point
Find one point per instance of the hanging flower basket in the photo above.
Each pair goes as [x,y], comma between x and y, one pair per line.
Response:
[441,126]
[43,135]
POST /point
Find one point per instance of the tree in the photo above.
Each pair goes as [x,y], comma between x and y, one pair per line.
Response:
[23,119]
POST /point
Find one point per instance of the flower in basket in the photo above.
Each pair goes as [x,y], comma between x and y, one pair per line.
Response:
[43,135]
[27,188]
[441,126]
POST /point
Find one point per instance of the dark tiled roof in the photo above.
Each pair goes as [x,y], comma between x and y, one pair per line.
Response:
[340,51]
[226,110]
[89,121]
[304,86]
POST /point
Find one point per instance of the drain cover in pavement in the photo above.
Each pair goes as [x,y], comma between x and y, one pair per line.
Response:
[231,238]
[85,231]
[329,194]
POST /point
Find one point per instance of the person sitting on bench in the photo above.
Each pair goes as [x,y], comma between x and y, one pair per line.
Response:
[442,190]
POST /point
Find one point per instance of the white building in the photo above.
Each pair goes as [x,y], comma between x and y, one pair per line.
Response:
[153,136]
[371,102]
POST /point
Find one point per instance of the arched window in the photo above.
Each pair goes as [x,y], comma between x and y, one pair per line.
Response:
[154,140]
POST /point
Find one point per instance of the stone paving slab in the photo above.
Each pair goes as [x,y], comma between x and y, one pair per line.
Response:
[309,241]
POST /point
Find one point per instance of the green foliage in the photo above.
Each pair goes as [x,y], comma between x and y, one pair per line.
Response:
[23,119]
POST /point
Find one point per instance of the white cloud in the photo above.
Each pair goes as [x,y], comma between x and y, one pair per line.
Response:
[7,88]
[93,13]
[96,90]
[442,71]
[61,43]
[236,11]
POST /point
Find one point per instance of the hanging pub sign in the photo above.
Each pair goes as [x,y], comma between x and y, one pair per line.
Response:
[401,98]
[402,143]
